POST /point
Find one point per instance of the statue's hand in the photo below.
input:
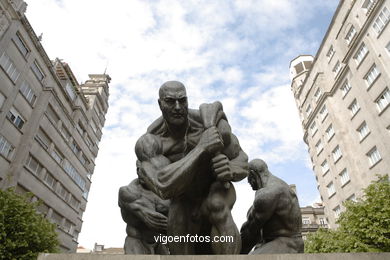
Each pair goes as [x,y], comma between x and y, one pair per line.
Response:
[222,168]
[211,140]
[154,220]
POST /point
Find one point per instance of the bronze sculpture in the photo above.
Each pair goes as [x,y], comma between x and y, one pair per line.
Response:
[191,156]
[274,221]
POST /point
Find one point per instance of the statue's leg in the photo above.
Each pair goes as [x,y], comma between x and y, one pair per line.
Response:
[180,224]
[217,208]
[134,246]
[280,245]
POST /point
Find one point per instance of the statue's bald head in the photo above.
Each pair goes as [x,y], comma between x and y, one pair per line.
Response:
[173,103]
[258,165]
[171,86]
[258,174]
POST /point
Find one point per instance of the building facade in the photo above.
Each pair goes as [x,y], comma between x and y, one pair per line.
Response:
[343,97]
[313,218]
[50,125]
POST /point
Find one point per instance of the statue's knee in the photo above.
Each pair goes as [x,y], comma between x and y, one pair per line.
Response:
[218,210]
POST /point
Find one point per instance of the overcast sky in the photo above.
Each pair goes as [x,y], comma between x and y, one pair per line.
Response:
[237,52]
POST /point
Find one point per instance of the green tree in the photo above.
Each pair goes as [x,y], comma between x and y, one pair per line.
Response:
[23,231]
[364,226]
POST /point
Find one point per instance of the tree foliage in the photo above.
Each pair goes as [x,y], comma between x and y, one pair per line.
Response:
[23,231]
[364,226]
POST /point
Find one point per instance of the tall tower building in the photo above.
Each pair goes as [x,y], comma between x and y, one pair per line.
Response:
[343,98]
[50,125]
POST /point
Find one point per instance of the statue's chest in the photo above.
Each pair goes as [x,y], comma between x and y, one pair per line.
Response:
[175,149]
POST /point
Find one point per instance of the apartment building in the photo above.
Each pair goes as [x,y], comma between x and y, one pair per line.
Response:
[343,97]
[50,125]
[313,218]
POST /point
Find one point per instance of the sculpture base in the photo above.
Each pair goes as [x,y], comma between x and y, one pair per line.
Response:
[342,256]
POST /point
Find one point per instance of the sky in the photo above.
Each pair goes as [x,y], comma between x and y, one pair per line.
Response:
[237,52]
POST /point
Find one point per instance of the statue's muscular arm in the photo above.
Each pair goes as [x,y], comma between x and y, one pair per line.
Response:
[263,208]
[168,179]
[232,163]
[132,199]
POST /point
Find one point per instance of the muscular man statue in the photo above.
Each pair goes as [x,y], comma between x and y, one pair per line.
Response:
[191,157]
[146,216]
[274,221]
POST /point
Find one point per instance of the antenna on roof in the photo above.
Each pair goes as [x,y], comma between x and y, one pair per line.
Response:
[105,70]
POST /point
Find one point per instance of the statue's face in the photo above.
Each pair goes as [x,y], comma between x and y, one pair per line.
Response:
[254,180]
[173,104]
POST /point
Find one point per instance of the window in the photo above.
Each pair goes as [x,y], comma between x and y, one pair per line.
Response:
[324,166]
[57,218]
[9,67]
[70,90]
[6,148]
[37,70]
[329,132]
[65,133]
[75,148]
[49,180]
[388,47]
[305,221]
[368,4]
[74,202]
[344,177]
[52,115]
[313,128]
[330,188]
[84,160]
[373,156]
[62,191]
[15,118]
[93,125]
[33,165]
[43,208]
[319,147]
[351,33]
[381,20]
[72,172]
[323,112]
[80,128]
[85,195]
[322,222]
[371,75]
[354,107]
[345,88]
[42,138]
[337,211]
[330,53]
[2,99]
[317,94]
[363,130]
[89,142]
[336,153]
[352,197]
[22,46]
[383,100]
[28,93]
[68,226]
[337,68]
[299,68]
[308,110]
[361,53]
[57,155]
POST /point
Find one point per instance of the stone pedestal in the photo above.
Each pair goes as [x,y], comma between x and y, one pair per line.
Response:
[344,256]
